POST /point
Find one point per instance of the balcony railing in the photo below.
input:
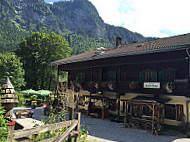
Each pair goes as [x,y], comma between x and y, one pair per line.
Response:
[181,89]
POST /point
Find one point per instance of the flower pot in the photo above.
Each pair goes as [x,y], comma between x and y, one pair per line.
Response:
[157,132]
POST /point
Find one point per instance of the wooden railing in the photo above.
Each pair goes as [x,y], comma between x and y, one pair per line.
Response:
[72,131]
[180,89]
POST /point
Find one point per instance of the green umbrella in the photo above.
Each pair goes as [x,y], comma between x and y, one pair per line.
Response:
[29,91]
[43,92]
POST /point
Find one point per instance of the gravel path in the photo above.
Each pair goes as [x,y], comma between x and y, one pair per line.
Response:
[105,130]
[116,132]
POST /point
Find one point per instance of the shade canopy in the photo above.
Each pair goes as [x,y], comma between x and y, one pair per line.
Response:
[43,92]
[29,91]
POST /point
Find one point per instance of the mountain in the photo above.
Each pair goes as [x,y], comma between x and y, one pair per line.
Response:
[77,20]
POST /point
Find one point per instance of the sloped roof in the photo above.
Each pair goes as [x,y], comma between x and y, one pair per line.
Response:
[158,45]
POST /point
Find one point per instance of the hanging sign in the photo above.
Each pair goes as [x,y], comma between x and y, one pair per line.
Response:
[153,85]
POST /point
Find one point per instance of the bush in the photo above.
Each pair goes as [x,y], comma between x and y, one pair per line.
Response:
[188,134]
[21,99]
[3,125]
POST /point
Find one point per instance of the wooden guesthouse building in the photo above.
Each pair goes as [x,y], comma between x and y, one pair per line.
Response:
[146,81]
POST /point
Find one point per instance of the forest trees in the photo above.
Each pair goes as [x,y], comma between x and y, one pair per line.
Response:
[36,52]
[11,66]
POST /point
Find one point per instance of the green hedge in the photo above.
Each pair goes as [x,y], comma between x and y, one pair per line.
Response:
[3,125]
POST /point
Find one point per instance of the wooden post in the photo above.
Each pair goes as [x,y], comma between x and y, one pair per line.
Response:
[119,73]
[103,112]
[100,74]
[78,116]
[131,108]
[153,118]
[158,119]
[91,71]
[125,115]
[11,127]
[57,81]
[71,113]
[118,103]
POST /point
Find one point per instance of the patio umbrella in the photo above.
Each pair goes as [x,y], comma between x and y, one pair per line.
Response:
[43,92]
[29,91]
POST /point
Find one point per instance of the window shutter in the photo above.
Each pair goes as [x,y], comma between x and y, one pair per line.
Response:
[141,76]
[161,76]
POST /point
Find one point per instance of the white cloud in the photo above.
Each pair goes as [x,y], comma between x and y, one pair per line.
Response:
[157,18]
[50,3]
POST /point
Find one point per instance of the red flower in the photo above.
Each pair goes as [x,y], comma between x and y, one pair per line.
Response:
[133,85]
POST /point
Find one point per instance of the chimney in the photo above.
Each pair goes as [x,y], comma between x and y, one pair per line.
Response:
[118,42]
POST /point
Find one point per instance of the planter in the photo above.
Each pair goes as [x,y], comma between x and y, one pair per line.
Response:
[157,132]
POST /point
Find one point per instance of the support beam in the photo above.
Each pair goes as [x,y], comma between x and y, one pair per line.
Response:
[125,115]
[78,117]
[153,118]
[57,81]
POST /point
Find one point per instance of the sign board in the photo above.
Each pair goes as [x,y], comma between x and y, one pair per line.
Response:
[182,80]
[153,85]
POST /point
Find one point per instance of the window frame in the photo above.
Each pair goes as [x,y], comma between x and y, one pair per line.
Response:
[81,77]
[145,75]
[179,110]
[109,76]
[163,74]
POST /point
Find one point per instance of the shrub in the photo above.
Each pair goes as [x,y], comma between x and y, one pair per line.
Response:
[21,99]
[3,125]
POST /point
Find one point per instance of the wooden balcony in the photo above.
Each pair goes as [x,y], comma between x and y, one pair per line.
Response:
[180,89]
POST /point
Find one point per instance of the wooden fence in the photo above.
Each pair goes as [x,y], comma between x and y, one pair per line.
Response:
[73,128]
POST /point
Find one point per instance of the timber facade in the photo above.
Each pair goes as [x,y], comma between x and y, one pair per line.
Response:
[146,81]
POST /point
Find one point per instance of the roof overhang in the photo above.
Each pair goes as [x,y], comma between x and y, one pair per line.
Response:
[165,49]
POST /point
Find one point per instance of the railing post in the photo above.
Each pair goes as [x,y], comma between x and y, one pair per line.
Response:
[70,118]
[125,115]
[153,118]
[78,116]
[11,127]
[71,113]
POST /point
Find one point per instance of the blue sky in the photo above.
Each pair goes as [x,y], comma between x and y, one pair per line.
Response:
[158,18]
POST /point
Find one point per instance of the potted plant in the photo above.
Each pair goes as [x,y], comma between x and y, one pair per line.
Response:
[93,85]
[111,86]
[169,86]
[133,85]
[158,129]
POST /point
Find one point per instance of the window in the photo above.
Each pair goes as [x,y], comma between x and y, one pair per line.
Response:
[109,76]
[80,78]
[95,74]
[124,74]
[147,111]
[167,75]
[174,112]
[125,106]
[137,111]
[148,75]
[112,105]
